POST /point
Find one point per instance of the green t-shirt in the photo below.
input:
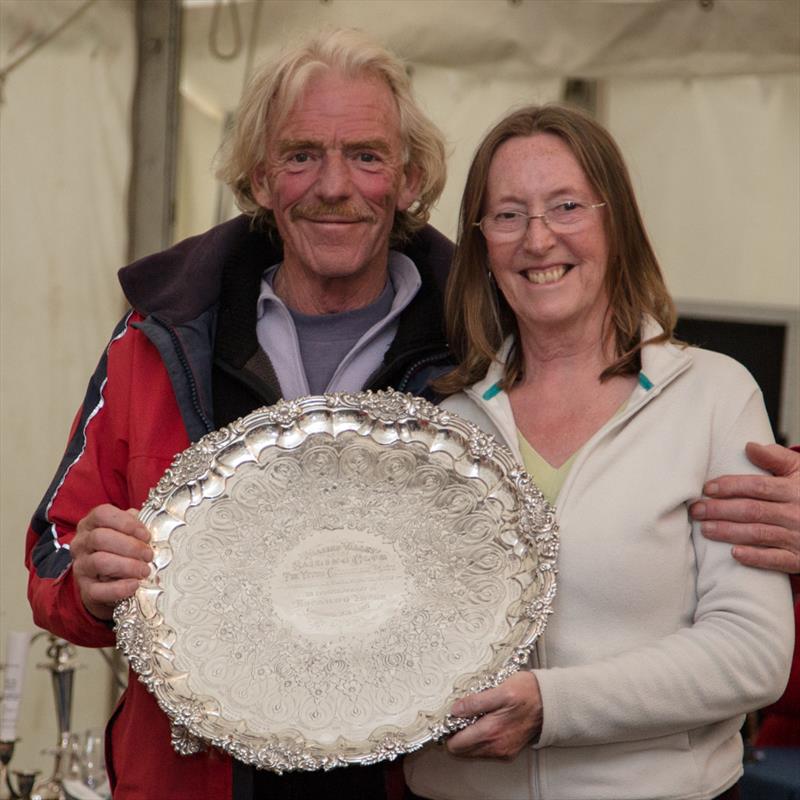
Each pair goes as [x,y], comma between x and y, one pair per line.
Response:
[548,478]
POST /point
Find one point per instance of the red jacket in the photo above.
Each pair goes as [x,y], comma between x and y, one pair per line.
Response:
[149,398]
[123,440]
[780,722]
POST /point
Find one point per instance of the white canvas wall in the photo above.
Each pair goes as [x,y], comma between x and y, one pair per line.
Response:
[717,168]
[64,163]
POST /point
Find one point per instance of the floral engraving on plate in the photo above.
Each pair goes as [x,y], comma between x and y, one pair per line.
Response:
[369,587]
[391,406]
[481,445]
[284,413]
[195,461]
[327,599]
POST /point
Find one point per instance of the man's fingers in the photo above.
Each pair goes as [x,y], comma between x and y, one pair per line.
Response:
[104,579]
[111,541]
[749,534]
[764,546]
[107,528]
[758,514]
[755,512]
[767,558]
[782,486]
[108,594]
[111,567]
[110,555]
[104,540]
[104,566]
[108,516]
[774,458]
[759,487]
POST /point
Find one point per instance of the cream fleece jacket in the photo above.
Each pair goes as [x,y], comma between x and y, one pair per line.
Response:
[660,641]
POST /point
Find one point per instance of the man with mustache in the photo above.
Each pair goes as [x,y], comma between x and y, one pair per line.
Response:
[331,281]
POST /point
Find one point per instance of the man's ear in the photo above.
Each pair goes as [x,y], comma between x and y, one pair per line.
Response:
[259,186]
[409,188]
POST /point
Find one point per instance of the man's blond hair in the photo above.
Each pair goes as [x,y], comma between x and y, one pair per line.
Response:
[273,89]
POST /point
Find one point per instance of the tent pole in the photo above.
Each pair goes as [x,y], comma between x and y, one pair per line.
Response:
[155,127]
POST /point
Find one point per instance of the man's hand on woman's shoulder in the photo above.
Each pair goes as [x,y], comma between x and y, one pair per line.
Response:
[758,514]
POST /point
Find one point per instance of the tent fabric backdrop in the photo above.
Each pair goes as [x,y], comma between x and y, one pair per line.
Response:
[65,147]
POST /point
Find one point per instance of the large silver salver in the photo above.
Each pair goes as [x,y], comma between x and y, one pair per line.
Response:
[331,574]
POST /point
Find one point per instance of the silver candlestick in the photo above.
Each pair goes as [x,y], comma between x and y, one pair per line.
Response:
[62,670]
[6,754]
[25,781]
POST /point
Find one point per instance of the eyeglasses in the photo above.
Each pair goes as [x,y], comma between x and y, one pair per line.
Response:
[566,217]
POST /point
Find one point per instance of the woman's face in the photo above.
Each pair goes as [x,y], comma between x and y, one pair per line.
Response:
[552,281]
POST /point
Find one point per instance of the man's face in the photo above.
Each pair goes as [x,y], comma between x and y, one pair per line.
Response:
[333,177]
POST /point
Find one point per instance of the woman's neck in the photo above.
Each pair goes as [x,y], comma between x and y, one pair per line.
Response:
[562,355]
[560,402]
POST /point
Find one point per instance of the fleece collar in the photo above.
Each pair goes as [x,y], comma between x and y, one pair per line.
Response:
[659,366]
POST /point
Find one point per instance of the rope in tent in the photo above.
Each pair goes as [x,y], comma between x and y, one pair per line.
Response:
[62,26]
[224,198]
[214,32]
[251,43]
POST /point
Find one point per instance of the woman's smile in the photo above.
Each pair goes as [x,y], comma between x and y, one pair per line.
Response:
[547,275]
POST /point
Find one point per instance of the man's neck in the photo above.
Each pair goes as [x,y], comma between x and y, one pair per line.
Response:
[328,295]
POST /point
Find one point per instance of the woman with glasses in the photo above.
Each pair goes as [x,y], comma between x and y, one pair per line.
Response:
[660,641]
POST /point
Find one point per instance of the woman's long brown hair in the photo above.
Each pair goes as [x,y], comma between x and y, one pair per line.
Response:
[478,316]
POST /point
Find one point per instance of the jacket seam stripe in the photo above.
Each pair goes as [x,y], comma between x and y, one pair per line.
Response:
[82,433]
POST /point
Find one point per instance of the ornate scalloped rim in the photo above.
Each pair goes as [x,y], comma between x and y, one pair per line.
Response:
[135,632]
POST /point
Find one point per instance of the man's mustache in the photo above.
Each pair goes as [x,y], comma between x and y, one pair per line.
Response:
[341,212]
